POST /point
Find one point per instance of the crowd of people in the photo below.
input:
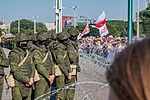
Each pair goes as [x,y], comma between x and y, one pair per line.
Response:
[103,46]
[40,61]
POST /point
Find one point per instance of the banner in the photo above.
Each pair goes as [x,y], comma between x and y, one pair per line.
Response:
[101,24]
[85,31]
[103,30]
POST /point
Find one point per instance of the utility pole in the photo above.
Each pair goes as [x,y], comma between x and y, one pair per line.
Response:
[18,25]
[75,14]
[58,16]
[147,3]
[8,27]
[130,10]
[34,17]
[138,20]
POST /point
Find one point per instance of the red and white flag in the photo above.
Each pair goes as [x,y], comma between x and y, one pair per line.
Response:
[101,24]
[85,31]
[103,30]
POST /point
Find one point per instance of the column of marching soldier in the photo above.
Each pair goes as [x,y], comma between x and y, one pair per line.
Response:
[39,61]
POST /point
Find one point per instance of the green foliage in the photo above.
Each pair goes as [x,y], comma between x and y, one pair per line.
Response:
[27,26]
[116,27]
[0,31]
[140,28]
[41,27]
[94,31]
[145,18]
[80,27]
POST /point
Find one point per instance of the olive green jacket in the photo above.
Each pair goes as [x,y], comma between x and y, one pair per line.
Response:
[4,62]
[23,73]
[44,68]
[60,57]
[72,49]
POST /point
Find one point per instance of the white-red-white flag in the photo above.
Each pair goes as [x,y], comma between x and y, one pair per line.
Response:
[85,31]
[101,24]
[103,30]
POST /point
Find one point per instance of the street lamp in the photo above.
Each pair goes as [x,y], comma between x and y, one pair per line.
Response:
[147,3]
[34,17]
[58,16]
[75,14]
[8,27]
[138,19]
[18,25]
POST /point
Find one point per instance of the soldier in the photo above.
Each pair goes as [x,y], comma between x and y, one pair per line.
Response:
[44,65]
[62,64]
[32,44]
[22,68]
[72,48]
[4,63]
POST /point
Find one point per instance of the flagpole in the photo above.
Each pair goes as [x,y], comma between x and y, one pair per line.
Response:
[130,6]
[75,14]
[138,33]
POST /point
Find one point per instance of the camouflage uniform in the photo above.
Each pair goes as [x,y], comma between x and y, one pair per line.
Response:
[32,45]
[45,69]
[23,74]
[60,58]
[3,63]
[72,48]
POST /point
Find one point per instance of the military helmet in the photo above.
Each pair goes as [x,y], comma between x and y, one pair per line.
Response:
[21,37]
[53,34]
[42,36]
[63,35]
[33,37]
[73,31]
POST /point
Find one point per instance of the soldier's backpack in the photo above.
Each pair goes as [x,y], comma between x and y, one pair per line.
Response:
[57,48]
[72,53]
[73,57]
[9,78]
[36,76]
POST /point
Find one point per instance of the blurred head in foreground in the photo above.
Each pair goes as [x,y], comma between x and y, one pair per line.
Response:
[129,75]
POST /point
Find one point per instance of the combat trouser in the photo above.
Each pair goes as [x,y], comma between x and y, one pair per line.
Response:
[70,92]
[1,86]
[60,83]
[42,89]
[21,92]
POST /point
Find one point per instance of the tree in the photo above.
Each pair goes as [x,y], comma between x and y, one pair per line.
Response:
[145,17]
[27,26]
[1,31]
[116,27]
[41,27]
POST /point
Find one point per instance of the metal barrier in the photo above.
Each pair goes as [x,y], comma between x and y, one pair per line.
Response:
[86,95]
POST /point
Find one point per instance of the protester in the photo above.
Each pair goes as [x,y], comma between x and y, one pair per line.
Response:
[128,75]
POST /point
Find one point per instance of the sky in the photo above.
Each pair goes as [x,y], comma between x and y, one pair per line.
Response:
[11,10]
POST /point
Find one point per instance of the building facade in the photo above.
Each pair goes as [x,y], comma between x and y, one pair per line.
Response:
[50,26]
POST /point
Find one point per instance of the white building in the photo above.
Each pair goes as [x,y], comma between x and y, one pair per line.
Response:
[4,26]
[50,26]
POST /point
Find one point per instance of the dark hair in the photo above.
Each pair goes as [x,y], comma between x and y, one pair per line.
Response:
[129,75]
